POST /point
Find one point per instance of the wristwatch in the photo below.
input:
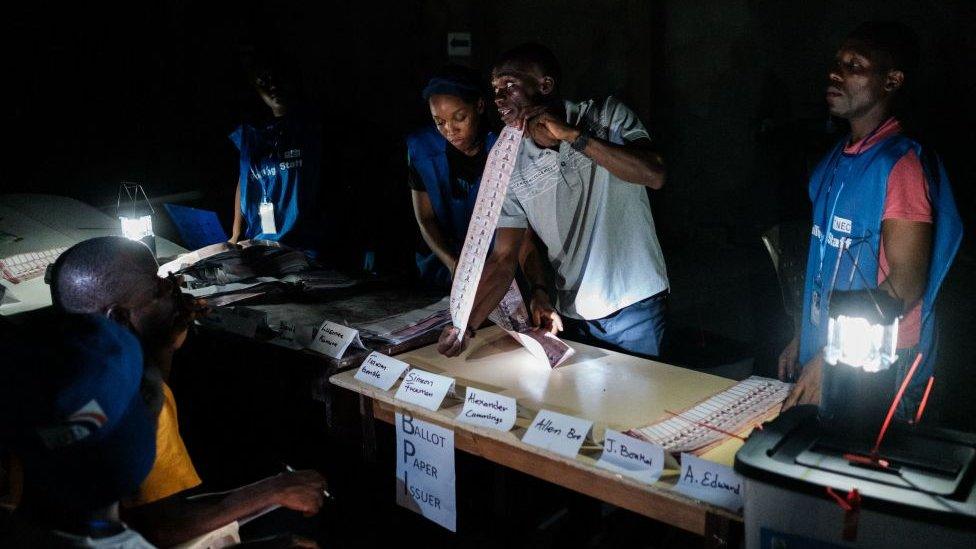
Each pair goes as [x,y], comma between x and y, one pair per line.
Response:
[536,287]
[580,142]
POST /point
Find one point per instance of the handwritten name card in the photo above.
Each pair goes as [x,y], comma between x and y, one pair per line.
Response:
[381,371]
[487,409]
[333,339]
[640,460]
[557,433]
[424,389]
[710,482]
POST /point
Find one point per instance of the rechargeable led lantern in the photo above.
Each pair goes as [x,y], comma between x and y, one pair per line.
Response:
[862,331]
[135,214]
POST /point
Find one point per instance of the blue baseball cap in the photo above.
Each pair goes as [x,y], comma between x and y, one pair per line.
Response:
[71,409]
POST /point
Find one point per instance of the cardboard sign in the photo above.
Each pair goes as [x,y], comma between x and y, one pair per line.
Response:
[425,470]
[633,457]
[381,371]
[558,433]
[333,339]
[487,409]
[424,389]
[710,482]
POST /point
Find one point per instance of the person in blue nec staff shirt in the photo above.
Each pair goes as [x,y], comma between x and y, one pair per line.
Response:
[445,161]
[280,158]
[887,199]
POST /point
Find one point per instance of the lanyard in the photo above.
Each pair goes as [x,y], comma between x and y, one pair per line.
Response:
[272,159]
[827,224]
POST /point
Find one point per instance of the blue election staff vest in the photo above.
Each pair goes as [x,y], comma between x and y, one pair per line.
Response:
[848,194]
[279,162]
[427,152]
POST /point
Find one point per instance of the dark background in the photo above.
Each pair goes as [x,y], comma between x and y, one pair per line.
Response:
[733,90]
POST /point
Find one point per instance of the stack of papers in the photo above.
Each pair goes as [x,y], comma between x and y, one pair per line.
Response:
[411,325]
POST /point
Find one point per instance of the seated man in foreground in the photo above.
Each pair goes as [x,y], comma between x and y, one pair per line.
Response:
[116,277]
[77,421]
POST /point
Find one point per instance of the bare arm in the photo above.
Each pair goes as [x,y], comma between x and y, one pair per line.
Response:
[907,246]
[175,519]
[635,162]
[431,231]
[544,315]
[237,229]
[495,280]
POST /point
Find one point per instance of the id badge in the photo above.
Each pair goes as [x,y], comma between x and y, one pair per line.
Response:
[266,211]
[815,308]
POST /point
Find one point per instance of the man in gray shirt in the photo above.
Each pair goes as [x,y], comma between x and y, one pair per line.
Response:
[579,184]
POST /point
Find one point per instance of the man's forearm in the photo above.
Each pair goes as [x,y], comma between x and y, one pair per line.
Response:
[237,228]
[175,519]
[629,163]
[495,281]
[437,242]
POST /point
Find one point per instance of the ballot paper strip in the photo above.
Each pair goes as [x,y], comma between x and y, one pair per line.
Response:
[635,458]
[481,228]
[710,482]
[381,371]
[557,433]
[718,417]
[512,316]
[425,470]
[333,339]
[487,409]
[18,268]
[424,389]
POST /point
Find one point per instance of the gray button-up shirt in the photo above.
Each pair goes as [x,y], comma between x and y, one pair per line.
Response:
[598,228]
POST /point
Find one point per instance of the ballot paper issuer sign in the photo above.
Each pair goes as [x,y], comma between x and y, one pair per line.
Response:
[425,470]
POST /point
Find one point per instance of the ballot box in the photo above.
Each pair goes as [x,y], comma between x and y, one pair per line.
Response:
[804,490]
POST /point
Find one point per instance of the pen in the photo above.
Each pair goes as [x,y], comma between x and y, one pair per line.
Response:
[325,492]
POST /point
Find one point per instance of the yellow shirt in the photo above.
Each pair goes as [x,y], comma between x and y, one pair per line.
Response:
[172,471]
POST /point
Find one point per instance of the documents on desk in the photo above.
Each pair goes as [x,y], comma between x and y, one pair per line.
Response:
[20,267]
[512,316]
[409,325]
[701,427]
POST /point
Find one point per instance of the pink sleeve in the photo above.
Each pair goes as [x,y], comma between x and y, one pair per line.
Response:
[908,192]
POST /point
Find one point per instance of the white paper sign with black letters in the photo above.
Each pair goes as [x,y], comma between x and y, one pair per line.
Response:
[425,470]
[333,339]
[487,409]
[424,389]
[557,433]
[710,482]
[381,371]
[638,459]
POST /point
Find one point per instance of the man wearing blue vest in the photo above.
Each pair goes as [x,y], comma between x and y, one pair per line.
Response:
[280,157]
[884,199]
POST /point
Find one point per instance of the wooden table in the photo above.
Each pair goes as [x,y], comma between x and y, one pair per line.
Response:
[609,388]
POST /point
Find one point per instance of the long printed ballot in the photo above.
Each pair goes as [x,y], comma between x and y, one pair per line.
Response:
[511,313]
[710,482]
[481,227]
[711,421]
[425,470]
